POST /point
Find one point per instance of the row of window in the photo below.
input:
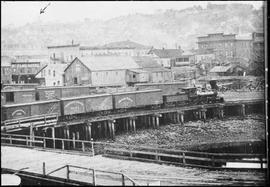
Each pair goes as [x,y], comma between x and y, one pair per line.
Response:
[43,73]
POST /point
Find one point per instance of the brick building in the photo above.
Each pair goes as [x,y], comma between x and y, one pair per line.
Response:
[226,46]
[6,70]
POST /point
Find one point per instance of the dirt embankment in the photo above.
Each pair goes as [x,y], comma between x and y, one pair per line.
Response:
[192,134]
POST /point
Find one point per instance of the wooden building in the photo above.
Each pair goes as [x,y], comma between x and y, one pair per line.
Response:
[97,71]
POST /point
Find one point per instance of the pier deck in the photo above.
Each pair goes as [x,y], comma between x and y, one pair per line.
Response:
[143,173]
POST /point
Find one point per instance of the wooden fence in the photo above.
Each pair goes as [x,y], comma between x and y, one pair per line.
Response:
[142,153]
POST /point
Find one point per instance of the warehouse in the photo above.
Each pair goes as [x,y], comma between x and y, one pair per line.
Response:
[100,70]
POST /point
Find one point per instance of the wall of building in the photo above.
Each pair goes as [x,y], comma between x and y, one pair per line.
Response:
[243,49]
[64,54]
[52,75]
[77,73]
[160,76]
[108,77]
[6,74]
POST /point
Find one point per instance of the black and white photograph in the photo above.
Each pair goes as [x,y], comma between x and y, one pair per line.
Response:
[134,93]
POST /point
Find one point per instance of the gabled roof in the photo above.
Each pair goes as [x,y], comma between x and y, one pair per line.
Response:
[125,45]
[167,53]
[103,63]
[58,67]
[220,69]
[117,45]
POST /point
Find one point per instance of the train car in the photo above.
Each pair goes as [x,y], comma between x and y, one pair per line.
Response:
[86,104]
[137,99]
[15,111]
[124,100]
[19,86]
[17,96]
[180,98]
[167,88]
[48,93]
[148,97]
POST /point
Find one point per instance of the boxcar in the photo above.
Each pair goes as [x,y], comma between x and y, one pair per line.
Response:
[15,111]
[167,88]
[98,102]
[19,86]
[124,100]
[18,96]
[148,97]
[72,105]
[181,97]
[48,93]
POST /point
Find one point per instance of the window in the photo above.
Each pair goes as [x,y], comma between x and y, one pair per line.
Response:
[75,80]
[58,82]
[116,73]
[106,73]
[54,83]
[53,73]
[49,72]
[10,96]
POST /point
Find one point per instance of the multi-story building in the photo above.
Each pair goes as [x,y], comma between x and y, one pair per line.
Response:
[226,46]
[6,70]
[23,71]
[258,46]
[63,54]
[51,75]
[121,48]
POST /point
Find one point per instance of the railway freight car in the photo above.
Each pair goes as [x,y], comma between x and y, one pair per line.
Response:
[15,111]
[17,96]
[167,88]
[94,104]
[137,99]
[48,93]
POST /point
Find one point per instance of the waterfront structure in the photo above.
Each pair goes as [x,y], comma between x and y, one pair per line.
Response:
[120,48]
[101,70]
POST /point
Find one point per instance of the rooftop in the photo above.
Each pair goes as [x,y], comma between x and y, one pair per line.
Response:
[146,62]
[62,46]
[167,53]
[101,63]
[117,45]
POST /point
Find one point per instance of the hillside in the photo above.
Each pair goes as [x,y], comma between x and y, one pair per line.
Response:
[166,29]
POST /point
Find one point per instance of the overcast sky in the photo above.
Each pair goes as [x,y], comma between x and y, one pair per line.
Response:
[20,13]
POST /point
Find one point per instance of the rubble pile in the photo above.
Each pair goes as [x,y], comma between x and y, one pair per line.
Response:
[177,136]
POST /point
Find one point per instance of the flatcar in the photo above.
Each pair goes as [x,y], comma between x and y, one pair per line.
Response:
[15,111]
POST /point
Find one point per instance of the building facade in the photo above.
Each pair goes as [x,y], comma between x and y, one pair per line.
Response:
[99,71]
[51,75]
[6,70]
[62,54]
[121,48]
[166,57]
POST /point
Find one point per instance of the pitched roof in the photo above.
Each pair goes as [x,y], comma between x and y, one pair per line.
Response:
[117,45]
[125,45]
[61,46]
[102,63]
[146,62]
[220,69]
[167,53]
